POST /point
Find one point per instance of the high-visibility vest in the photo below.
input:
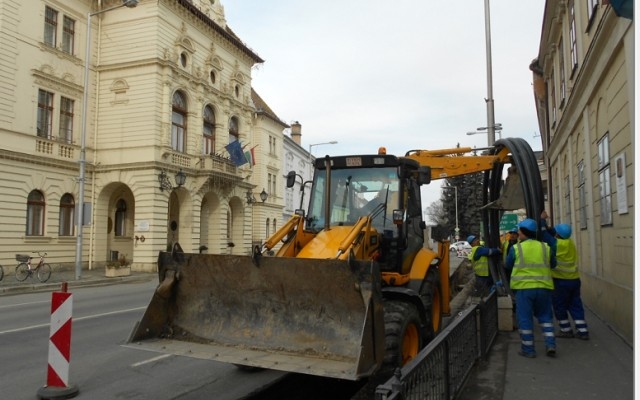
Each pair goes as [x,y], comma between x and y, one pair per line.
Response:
[505,250]
[481,265]
[567,258]
[531,268]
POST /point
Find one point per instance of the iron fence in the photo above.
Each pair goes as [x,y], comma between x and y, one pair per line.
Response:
[440,370]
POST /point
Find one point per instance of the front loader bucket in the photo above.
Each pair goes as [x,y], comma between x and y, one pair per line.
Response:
[318,317]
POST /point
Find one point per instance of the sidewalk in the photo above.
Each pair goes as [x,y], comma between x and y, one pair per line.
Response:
[94,277]
[600,368]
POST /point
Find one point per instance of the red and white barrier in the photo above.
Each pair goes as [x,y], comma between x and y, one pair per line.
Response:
[59,348]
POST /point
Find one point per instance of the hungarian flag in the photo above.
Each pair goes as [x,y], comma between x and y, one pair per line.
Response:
[250,156]
[235,153]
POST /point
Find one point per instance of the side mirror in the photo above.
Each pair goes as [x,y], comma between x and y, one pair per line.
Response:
[398,217]
[424,175]
[291,179]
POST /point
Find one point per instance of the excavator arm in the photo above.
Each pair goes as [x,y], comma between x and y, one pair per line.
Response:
[522,188]
[447,163]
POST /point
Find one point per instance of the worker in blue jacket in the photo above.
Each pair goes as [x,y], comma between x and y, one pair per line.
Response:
[566,280]
[531,262]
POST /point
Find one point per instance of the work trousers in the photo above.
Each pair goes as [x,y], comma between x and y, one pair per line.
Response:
[567,301]
[534,303]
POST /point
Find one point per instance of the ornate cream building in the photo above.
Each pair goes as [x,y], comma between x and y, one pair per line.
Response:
[584,78]
[169,88]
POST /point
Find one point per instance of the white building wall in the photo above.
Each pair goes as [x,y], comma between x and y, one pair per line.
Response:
[135,68]
[598,104]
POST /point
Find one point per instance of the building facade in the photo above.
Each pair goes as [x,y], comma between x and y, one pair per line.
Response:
[169,97]
[299,160]
[584,77]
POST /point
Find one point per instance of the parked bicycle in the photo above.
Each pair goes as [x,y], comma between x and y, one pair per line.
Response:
[25,270]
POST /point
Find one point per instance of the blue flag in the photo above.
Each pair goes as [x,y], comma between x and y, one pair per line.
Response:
[235,153]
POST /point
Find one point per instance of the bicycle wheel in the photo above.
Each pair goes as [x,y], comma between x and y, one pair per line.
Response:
[44,272]
[22,271]
[1,272]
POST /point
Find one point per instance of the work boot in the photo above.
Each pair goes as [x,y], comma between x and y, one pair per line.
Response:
[527,354]
[565,334]
[551,351]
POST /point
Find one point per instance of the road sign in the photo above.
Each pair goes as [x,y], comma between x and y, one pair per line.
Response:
[508,221]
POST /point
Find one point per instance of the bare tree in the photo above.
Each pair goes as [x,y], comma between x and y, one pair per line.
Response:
[436,214]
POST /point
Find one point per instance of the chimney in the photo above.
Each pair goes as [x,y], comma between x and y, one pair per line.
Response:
[296,132]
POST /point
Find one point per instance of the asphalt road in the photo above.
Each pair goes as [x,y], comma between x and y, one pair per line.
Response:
[100,367]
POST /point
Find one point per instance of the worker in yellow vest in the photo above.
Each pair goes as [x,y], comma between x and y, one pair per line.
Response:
[531,262]
[479,257]
[510,239]
[566,292]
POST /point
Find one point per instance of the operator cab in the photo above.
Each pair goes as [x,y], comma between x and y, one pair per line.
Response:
[385,188]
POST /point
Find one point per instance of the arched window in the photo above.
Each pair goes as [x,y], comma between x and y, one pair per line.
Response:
[66,218]
[233,130]
[208,131]
[35,213]
[121,218]
[179,122]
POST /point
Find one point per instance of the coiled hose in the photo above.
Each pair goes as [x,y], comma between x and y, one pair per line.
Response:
[525,161]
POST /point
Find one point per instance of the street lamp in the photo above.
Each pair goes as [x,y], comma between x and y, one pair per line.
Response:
[252,200]
[491,133]
[165,183]
[311,155]
[455,188]
[319,144]
[482,129]
[83,134]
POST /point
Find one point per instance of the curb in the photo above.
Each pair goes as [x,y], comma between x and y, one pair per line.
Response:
[52,286]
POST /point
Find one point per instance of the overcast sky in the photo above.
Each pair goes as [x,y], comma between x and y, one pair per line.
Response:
[404,74]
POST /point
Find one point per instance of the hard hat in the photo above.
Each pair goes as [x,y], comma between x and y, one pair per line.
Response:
[563,230]
[529,225]
[471,238]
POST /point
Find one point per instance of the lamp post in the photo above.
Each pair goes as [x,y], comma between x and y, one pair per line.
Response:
[491,133]
[455,188]
[83,134]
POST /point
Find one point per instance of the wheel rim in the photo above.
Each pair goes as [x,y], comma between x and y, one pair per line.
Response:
[410,343]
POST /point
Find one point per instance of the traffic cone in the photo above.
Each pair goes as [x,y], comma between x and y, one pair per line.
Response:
[57,386]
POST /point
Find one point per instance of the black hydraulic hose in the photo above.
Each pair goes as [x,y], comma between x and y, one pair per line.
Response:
[491,219]
[524,160]
[533,182]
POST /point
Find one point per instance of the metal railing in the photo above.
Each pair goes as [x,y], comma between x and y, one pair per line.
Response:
[440,370]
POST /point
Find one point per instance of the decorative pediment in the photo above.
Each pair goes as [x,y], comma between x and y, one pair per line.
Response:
[186,44]
[215,63]
[238,76]
[119,85]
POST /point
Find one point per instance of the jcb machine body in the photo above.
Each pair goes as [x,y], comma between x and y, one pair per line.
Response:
[351,289]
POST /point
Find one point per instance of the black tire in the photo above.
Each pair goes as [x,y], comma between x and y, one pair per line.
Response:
[1,272]
[403,336]
[431,295]
[22,272]
[44,272]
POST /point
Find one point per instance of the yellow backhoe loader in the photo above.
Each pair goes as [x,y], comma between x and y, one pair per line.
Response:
[351,289]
